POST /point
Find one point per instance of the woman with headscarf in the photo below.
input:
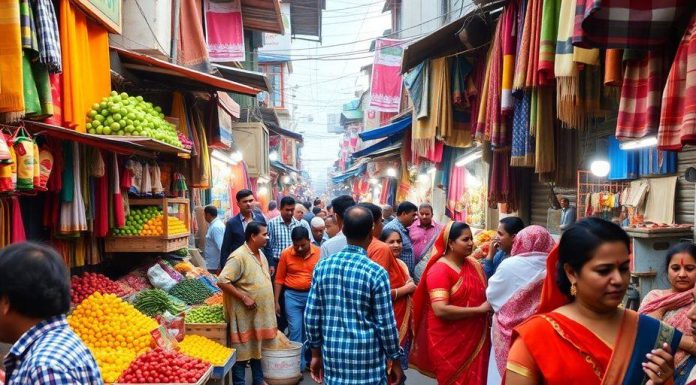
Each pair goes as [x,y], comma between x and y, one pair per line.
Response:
[582,335]
[514,292]
[451,315]
[672,305]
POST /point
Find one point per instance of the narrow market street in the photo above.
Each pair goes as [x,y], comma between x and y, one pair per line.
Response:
[347,192]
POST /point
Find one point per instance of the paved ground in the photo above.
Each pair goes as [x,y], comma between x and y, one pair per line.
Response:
[412,378]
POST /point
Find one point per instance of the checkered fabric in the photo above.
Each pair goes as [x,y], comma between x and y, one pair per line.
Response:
[632,24]
[407,251]
[279,234]
[47,34]
[641,91]
[678,115]
[349,315]
[50,353]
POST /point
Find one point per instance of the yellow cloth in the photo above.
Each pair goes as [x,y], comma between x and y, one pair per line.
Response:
[249,328]
[439,121]
[11,86]
[86,66]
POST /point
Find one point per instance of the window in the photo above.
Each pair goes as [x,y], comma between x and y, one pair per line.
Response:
[274,71]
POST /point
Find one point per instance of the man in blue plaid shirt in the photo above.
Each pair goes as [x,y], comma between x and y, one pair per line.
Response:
[349,319]
[280,229]
[34,297]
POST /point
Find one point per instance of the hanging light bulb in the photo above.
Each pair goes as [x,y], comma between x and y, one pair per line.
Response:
[391,172]
[600,168]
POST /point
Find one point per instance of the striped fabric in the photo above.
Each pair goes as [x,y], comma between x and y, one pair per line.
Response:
[678,115]
[632,24]
[349,315]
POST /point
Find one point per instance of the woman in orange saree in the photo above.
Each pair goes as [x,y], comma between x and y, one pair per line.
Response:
[582,335]
[451,315]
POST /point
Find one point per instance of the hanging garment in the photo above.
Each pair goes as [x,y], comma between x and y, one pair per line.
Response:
[544,131]
[8,173]
[85,64]
[24,148]
[417,84]
[191,48]
[224,32]
[45,167]
[613,68]
[119,211]
[532,76]
[47,34]
[56,84]
[461,90]
[522,140]
[480,128]
[508,19]
[156,179]
[659,206]
[644,24]
[547,43]
[499,179]
[146,181]
[17,225]
[458,134]
[11,90]
[494,130]
[639,107]
[425,130]
[525,41]
[73,217]
[36,84]
[455,193]
[678,114]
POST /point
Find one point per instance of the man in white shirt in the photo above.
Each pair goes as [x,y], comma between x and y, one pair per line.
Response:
[334,245]
[213,238]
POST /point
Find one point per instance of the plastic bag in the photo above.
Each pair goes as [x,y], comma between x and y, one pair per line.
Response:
[171,271]
[4,149]
[24,148]
[46,165]
[159,278]
[175,325]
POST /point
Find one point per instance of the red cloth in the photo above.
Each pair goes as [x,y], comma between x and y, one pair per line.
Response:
[678,115]
[101,209]
[637,24]
[56,99]
[639,107]
[17,228]
[119,209]
[455,351]
[499,190]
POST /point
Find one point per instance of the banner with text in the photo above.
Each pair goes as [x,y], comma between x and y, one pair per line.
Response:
[385,90]
[225,33]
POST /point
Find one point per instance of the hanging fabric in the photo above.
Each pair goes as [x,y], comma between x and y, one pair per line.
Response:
[17,226]
[639,106]
[458,133]
[613,69]
[24,149]
[117,199]
[499,179]
[678,115]
[425,130]
[547,43]
[493,131]
[85,64]
[417,85]
[508,18]
[11,89]
[73,218]
[45,168]
[456,209]
[47,34]
[523,142]
[484,96]
[191,48]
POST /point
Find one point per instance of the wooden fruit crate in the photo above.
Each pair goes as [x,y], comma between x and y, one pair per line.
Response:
[216,332]
[154,244]
[201,381]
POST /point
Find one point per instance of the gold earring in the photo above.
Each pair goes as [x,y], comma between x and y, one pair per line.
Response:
[573,289]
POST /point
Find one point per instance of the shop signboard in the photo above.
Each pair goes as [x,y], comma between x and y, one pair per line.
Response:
[106,12]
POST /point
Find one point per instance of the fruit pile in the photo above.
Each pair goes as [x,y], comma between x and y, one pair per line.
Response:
[158,366]
[113,362]
[121,114]
[191,291]
[85,285]
[205,349]
[136,219]
[176,226]
[215,299]
[106,321]
[206,315]
[156,301]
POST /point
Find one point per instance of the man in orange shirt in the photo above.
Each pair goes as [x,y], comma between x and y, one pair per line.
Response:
[293,280]
[378,251]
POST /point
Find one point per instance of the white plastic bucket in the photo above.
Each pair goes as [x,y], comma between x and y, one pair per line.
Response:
[282,366]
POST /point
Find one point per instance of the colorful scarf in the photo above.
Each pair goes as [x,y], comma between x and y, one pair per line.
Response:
[522,140]
[480,128]
[508,19]
[613,75]
[547,43]
[532,77]
[678,115]
[11,90]
[416,83]
[494,130]
[425,130]
[499,179]
[73,217]
[639,106]
[191,47]
[524,42]
[47,35]
[458,134]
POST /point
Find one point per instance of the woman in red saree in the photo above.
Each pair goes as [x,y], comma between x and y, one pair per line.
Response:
[582,335]
[451,315]
[672,305]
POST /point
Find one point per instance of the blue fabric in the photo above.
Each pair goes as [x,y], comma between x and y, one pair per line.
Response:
[50,353]
[392,129]
[415,82]
[239,372]
[377,146]
[295,304]
[349,174]
[522,142]
[490,266]
[654,162]
[349,315]
[634,164]
[213,244]
[681,373]
[407,251]
[651,335]
[234,238]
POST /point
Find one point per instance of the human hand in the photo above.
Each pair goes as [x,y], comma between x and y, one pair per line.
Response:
[249,303]
[272,270]
[316,369]
[495,246]
[660,365]
[397,374]
[277,309]
[485,307]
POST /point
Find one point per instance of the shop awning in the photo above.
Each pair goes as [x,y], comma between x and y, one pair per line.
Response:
[262,15]
[251,78]
[355,170]
[388,142]
[269,117]
[305,17]
[282,166]
[350,116]
[142,146]
[395,128]
[475,29]
[169,73]
[394,149]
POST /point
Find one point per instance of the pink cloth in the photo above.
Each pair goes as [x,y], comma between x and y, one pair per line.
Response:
[225,33]
[674,307]
[421,237]
[532,239]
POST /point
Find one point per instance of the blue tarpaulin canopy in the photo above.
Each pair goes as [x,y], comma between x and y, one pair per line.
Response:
[355,170]
[377,146]
[395,128]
